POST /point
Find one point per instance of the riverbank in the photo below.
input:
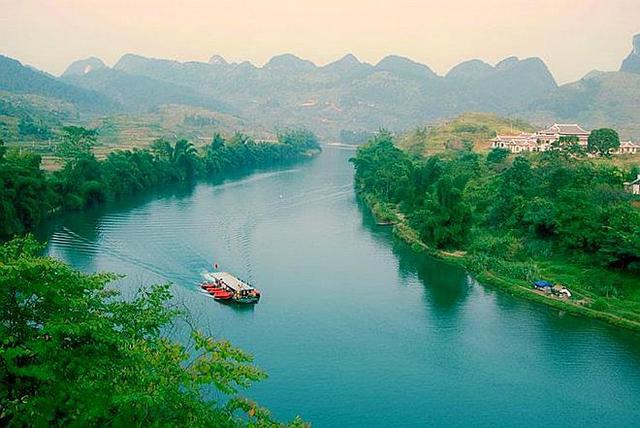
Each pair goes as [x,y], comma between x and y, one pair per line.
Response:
[33,193]
[583,302]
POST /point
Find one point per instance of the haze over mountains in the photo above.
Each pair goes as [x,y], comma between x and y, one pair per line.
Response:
[395,93]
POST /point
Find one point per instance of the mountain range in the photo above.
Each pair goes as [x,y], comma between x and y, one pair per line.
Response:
[346,95]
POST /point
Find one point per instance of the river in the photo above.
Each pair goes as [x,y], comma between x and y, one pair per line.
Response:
[354,328]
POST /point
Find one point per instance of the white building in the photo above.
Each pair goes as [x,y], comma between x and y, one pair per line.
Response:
[628,148]
[633,187]
[557,130]
[523,142]
[541,141]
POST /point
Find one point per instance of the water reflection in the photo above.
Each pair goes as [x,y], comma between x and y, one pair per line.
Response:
[446,285]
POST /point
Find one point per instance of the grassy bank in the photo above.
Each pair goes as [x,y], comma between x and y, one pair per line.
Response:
[621,312]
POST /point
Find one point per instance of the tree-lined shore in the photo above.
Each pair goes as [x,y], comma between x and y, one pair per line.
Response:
[74,352]
[515,219]
[28,194]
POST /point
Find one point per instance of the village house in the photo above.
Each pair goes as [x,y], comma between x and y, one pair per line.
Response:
[633,187]
[541,141]
[557,130]
[628,148]
[523,142]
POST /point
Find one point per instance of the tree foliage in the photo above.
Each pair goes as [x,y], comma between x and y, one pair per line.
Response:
[27,194]
[74,353]
[553,201]
[603,141]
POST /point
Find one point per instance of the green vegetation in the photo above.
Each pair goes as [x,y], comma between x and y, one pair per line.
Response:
[603,141]
[27,194]
[75,353]
[476,128]
[30,117]
[553,215]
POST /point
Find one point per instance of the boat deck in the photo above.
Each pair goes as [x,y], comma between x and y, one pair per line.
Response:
[229,280]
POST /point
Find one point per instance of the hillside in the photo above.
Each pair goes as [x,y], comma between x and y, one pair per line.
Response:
[477,128]
[126,131]
[32,117]
[138,93]
[603,100]
[631,63]
[346,95]
[19,79]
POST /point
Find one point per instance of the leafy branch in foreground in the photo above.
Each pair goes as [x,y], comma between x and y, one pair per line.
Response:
[74,353]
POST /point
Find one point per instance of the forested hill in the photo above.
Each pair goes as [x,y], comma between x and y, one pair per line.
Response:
[19,79]
[345,97]
[554,215]
[396,93]
[475,128]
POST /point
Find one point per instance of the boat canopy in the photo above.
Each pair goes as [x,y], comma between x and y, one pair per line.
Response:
[542,283]
[229,280]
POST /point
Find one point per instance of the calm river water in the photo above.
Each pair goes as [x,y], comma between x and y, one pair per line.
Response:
[354,328]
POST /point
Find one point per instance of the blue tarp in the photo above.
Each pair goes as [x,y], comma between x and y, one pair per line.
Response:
[542,283]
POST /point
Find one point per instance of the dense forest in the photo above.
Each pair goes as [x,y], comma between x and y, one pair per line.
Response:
[518,216]
[75,353]
[28,194]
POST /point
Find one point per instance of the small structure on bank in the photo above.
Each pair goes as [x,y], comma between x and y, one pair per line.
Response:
[633,187]
[557,290]
[561,291]
[628,148]
[543,285]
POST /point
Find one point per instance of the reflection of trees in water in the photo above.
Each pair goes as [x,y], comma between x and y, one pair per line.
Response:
[446,285]
[578,333]
[83,227]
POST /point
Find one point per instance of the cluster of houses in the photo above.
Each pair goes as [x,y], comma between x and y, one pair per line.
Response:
[541,141]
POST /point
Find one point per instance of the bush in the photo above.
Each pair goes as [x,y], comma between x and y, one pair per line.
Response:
[502,246]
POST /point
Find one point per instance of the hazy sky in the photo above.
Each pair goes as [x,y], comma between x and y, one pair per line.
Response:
[571,36]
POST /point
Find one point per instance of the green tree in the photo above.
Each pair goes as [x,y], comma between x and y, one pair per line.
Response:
[184,158]
[74,353]
[497,155]
[603,141]
[77,142]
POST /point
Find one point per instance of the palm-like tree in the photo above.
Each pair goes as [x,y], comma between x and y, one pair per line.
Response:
[181,157]
[184,157]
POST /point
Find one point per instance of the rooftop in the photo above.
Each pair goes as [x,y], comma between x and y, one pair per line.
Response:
[566,129]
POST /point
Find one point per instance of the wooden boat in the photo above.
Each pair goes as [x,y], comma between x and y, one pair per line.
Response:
[222,295]
[240,290]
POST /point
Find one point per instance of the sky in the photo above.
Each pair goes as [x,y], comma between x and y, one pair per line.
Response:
[573,37]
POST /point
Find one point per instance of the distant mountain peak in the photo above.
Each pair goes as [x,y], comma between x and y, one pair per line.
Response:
[631,64]
[348,65]
[508,62]
[349,59]
[217,60]
[404,67]
[289,62]
[472,69]
[84,66]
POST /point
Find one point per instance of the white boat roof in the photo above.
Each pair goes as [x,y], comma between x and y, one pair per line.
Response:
[229,280]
